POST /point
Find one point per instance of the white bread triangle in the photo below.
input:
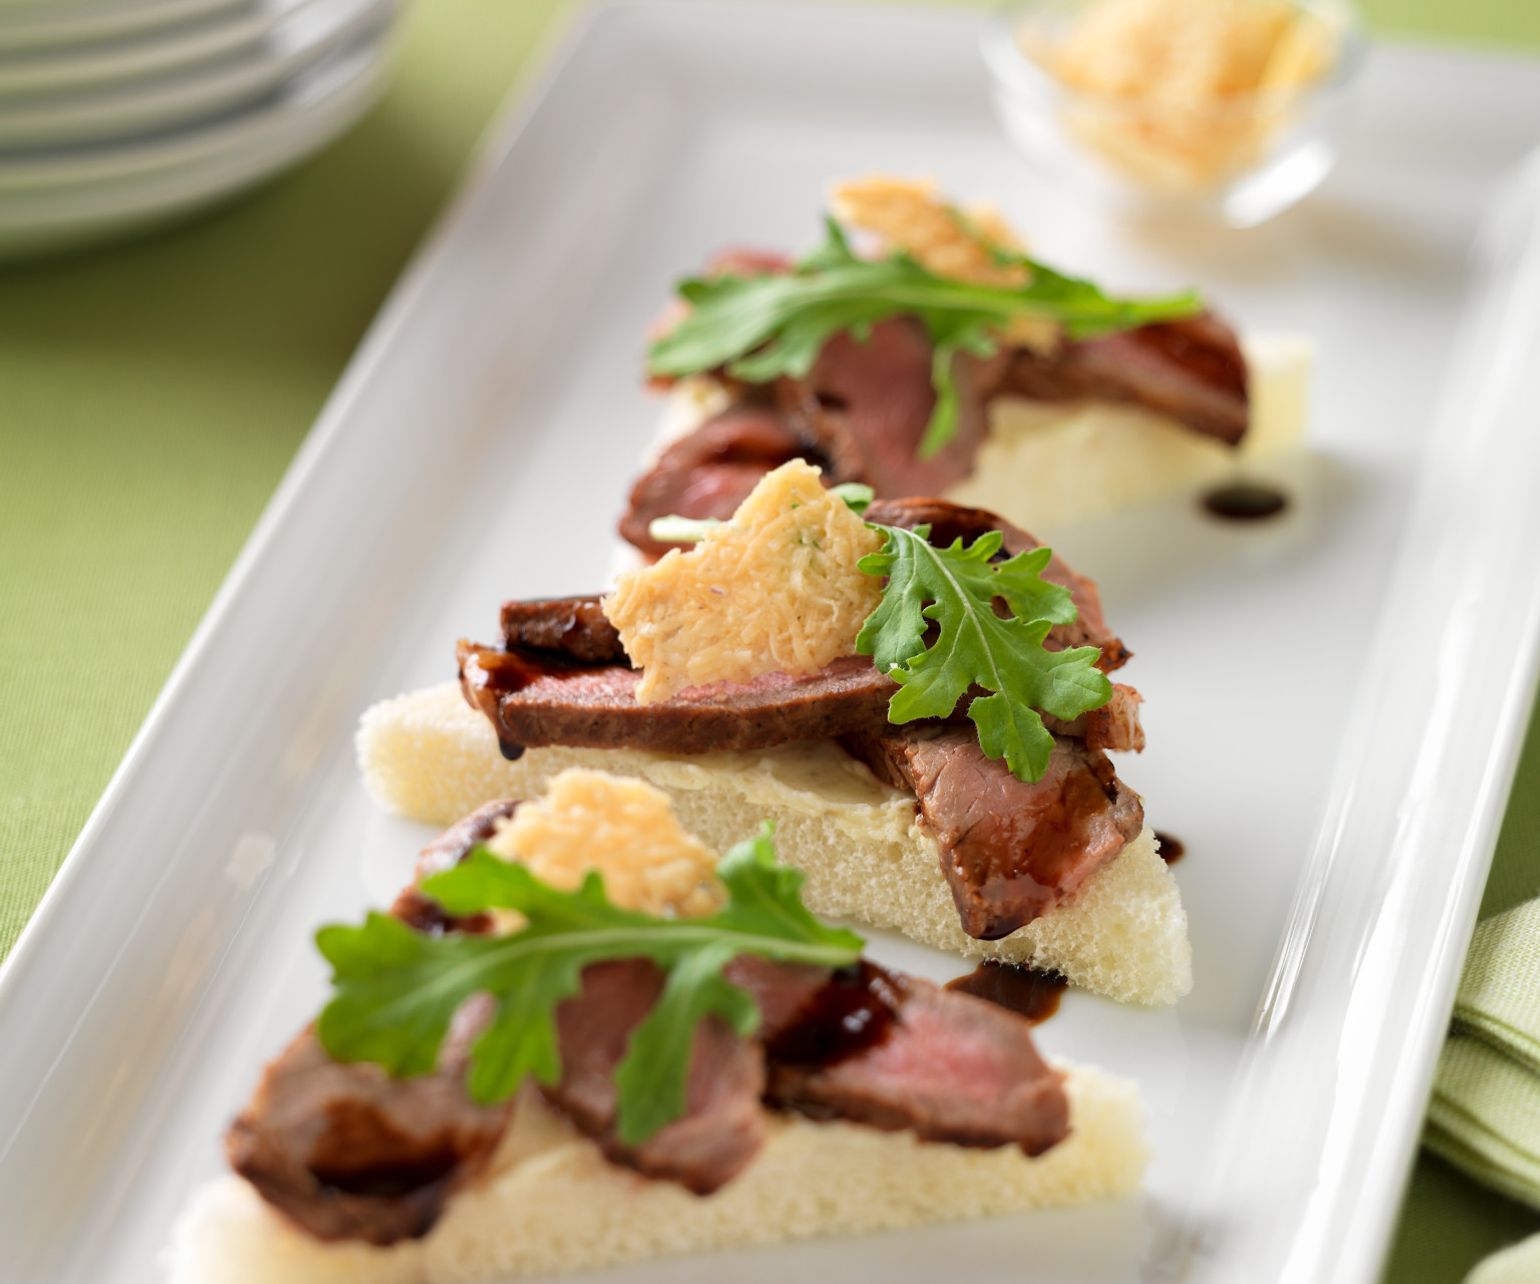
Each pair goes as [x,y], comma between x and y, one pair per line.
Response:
[431,757]
[552,1203]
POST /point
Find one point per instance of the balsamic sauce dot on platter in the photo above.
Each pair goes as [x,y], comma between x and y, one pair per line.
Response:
[1032,993]
[1172,848]
[1244,502]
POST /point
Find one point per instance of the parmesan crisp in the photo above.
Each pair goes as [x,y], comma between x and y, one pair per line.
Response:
[625,829]
[775,590]
[910,214]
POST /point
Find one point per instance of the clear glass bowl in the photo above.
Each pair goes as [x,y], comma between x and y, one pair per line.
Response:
[1242,159]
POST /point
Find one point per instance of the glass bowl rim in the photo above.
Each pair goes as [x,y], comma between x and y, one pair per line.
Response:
[1018,73]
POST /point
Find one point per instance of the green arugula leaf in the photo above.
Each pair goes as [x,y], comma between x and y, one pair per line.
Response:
[760,327]
[857,495]
[648,1078]
[395,991]
[955,589]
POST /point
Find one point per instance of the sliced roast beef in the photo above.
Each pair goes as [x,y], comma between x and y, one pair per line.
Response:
[533,700]
[455,843]
[1114,727]
[575,627]
[563,676]
[710,471]
[723,1126]
[862,411]
[445,852]
[1192,370]
[867,403]
[894,1052]
[949,521]
[1009,849]
[345,1151]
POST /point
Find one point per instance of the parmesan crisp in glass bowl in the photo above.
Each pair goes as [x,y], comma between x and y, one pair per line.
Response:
[1233,107]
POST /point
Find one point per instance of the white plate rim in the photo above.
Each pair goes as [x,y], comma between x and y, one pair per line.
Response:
[319,82]
[1495,772]
[557,49]
[1342,1238]
[200,183]
[225,34]
[122,112]
[40,26]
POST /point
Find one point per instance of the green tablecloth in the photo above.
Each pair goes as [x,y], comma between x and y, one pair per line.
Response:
[150,396]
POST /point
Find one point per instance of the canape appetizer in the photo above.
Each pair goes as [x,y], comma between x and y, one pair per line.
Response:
[920,351]
[916,695]
[579,1039]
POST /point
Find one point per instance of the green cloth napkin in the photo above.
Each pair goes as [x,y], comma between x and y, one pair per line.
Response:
[1448,1222]
[1485,1112]
[1517,1265]
[151,394]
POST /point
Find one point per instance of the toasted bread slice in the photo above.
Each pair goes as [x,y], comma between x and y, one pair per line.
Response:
[552,1203]
[431,757]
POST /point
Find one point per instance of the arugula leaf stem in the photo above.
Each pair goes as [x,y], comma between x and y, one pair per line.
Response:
[685,934]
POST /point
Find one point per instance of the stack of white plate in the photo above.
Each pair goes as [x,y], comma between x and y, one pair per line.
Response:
[115,114]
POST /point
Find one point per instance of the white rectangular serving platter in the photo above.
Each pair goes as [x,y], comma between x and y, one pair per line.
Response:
[1334,701]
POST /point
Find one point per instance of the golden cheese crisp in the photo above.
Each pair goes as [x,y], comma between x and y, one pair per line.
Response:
[624,828]
[911,215]
[774,590]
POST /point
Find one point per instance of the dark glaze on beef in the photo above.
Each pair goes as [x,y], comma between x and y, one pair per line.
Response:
[896,1052]
[344,1151]
[1009,850]
[814,1018]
